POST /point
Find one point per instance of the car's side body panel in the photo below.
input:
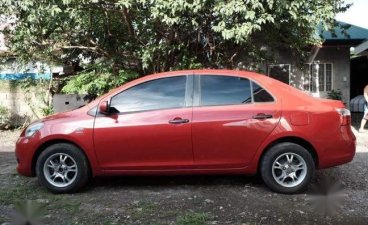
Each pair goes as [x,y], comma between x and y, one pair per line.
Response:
[75,127]
[228,136]
[333,144]
[218,139]
[144,140]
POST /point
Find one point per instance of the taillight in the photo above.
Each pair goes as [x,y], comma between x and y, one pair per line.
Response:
[345,116]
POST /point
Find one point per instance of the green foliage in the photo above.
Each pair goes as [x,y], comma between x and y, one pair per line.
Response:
[4,114]
[193,219]
[335,94]
[47,110]
[97,81]
[41,104]
[160,35]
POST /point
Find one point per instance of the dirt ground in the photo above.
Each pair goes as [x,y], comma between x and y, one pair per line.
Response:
[337,196]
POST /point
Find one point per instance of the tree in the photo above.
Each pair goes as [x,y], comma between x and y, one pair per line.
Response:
[158,35]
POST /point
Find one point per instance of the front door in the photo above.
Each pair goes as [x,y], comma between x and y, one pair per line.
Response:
[149,127]
[232,118]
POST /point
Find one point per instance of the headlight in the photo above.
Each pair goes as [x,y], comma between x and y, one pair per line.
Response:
[32,129]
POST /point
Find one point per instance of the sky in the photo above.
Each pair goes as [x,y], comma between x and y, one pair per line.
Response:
[357,14]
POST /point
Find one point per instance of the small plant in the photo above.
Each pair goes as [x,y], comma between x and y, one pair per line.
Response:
[4,114]
[11,120]
[335,94]
[193,219]
[47,110]
[41,103]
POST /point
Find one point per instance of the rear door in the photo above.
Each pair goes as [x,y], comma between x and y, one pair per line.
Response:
[231,118]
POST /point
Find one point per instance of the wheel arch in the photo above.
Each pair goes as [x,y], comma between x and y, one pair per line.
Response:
[292,139]
[48,143]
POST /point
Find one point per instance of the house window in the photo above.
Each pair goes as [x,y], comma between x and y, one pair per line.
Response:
[280,72]
[324,77]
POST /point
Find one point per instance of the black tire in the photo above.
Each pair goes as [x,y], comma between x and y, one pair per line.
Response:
[277,151]
[80,177]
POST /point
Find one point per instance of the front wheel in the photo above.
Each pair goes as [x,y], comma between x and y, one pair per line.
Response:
[62,168]
[287,168]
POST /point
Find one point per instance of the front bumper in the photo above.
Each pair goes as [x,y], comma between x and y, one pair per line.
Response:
[24,152]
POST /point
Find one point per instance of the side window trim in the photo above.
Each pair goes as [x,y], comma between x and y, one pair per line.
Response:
[189,91]
[197,92]
[251,91]
[188,99]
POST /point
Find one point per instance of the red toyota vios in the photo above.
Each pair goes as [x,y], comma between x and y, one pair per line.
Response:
[191,122]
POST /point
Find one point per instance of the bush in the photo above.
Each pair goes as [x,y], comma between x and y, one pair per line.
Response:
[9,120]
[96,82]
[4,114]
[41,102]
[335,94]
[47,110]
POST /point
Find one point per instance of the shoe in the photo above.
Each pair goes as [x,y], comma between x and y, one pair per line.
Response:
[362,131]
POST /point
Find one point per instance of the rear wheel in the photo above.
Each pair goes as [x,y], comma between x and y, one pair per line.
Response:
[287,168]
[62,168]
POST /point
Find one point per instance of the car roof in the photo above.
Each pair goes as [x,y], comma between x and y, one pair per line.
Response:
[264,80]
[241,73]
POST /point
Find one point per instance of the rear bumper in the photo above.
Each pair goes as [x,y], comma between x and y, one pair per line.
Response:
[340,151]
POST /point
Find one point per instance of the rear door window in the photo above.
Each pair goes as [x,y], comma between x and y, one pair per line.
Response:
[224,90]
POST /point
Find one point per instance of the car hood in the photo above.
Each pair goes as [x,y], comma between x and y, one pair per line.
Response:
[58,116]
[64,115]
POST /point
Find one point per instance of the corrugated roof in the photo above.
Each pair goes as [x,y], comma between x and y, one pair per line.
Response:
[352,32]
[361,49]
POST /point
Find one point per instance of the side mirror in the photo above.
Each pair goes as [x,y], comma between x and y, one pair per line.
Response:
[104,107]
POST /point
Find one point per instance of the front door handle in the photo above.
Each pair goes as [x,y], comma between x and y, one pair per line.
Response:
[178,121]
[262,116]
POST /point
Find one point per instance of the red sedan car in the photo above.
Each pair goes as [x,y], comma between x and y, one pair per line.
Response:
[191,122]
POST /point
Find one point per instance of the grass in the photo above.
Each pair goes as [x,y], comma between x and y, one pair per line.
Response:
[193,219]
[145,207]
[12,195]
[142,210]
[19,192]
[2,219]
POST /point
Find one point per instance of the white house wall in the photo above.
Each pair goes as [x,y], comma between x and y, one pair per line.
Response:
[340,59]
[338,56]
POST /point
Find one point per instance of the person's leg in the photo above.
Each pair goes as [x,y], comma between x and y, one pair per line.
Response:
[362,124]
[364,120]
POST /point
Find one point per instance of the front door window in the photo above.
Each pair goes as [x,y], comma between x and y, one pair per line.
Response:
[164,93]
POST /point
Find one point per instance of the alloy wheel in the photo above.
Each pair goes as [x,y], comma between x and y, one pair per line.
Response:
[60,170]
[289,169]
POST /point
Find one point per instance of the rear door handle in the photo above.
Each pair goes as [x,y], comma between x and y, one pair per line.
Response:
[178,121]
[262,116]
